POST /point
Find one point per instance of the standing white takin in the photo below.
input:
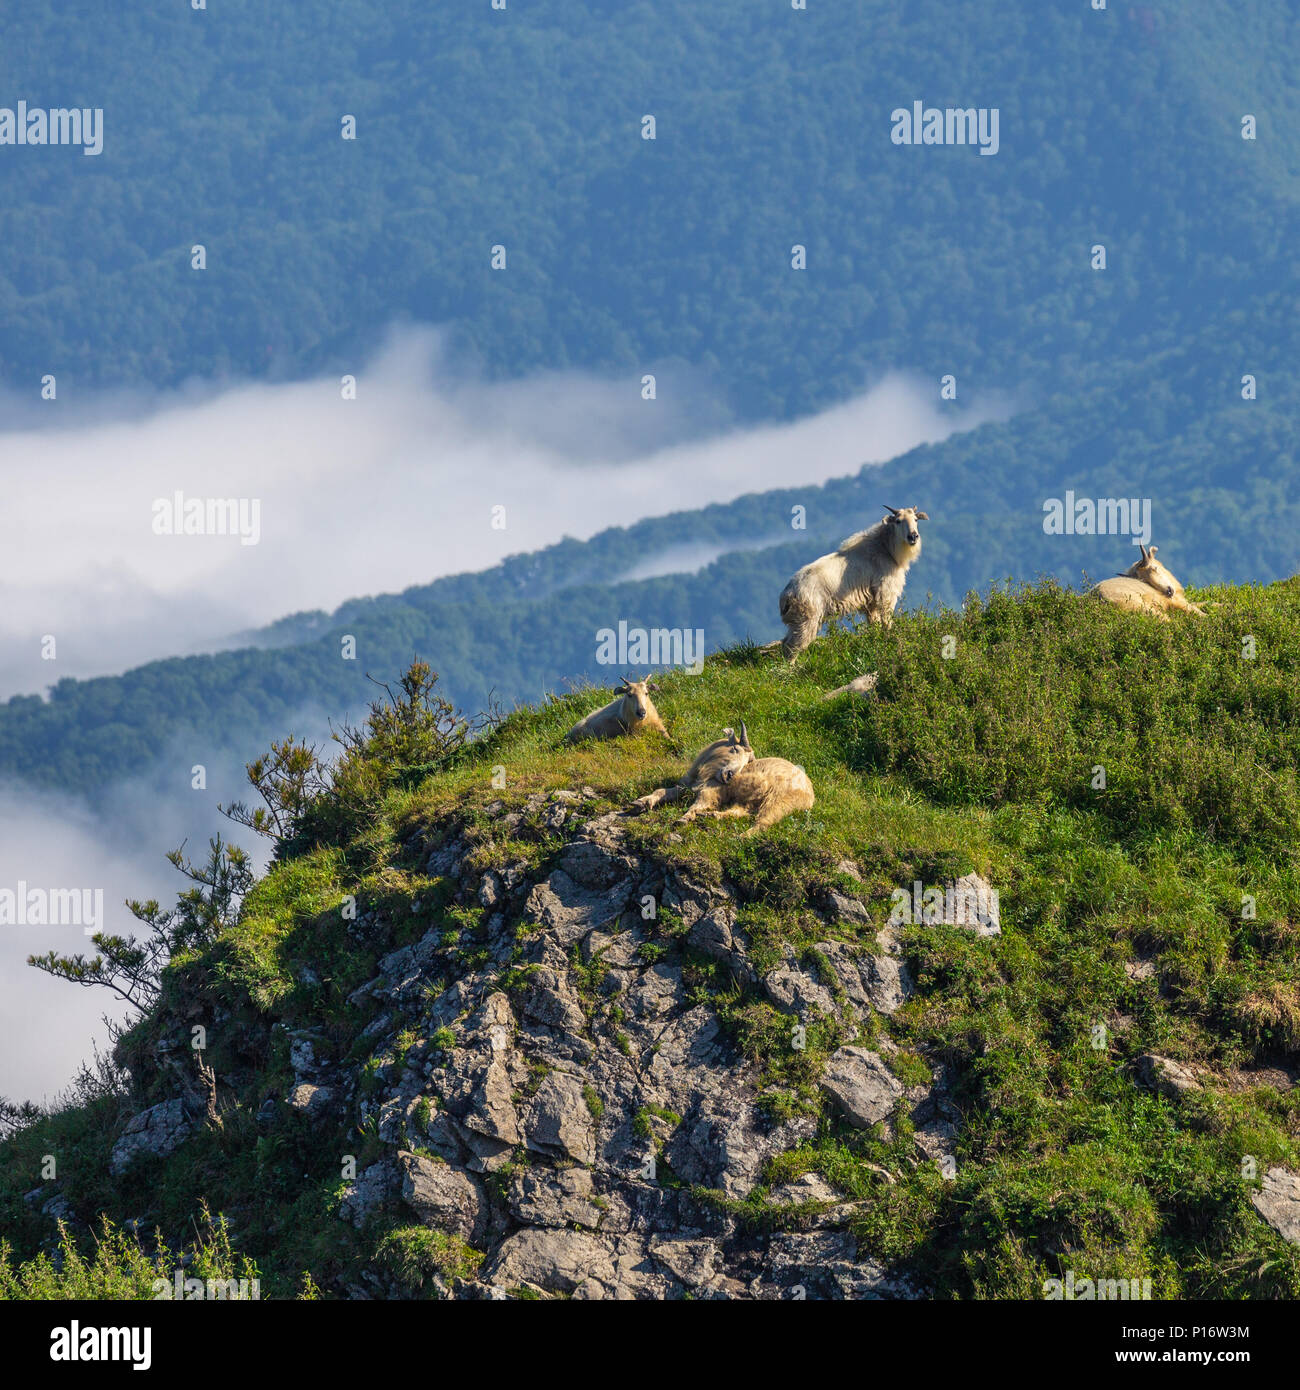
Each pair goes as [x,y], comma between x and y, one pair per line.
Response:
[865,575]
[629,711]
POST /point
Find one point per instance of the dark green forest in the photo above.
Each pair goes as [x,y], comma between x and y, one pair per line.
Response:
[1120,128]
[522,127]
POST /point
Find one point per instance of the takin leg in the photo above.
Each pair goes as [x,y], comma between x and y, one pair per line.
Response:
[709,799]
[656,798]
[738,811]
[803,617]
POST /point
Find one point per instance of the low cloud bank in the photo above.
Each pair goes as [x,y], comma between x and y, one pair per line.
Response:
[57,843]
[425,473]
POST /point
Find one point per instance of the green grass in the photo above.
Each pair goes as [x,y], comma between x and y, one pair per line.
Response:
[979,759]
[412,1254]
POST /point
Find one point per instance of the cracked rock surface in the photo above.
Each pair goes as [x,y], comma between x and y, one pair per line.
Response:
[560,1096]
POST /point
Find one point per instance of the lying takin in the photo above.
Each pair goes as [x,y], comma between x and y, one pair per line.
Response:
[630,711]
[731,781]
[714,763]
[768,789]
[1147,587]
[865,575]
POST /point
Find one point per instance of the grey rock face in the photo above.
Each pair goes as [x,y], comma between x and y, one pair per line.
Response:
[443,1196]
[595,866]
[842,909]
[160,1130]
[551,1259]
[1168,1077]
[823,1265]
[879,982]
[693,1263]
[314,1102]
[568,910]
[714,934]
[556,1198]
[812,1187]
[1278,1202]
[368,1192]
[572,1071]
[558,1121]
[863,1089]
[302,1057]
[792,991]
[59,1208]
[477,1083]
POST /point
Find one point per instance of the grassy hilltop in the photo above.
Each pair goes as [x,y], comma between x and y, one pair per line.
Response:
[1127,931]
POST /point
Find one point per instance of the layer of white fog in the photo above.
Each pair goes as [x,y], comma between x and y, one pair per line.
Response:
[365,496]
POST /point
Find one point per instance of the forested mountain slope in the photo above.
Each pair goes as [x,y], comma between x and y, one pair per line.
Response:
[523,127]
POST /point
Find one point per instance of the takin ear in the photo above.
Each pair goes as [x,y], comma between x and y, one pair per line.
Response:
[650,685]
[1151,552]
[923,516]
[623,689]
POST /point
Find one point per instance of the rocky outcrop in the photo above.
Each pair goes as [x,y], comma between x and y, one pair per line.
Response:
[612,1103]
[573,1106]
[1162,1074]
[1278,1202]
[315,1102]
[445,1197]
[367,1194]
[864,1090]
[158,1131]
